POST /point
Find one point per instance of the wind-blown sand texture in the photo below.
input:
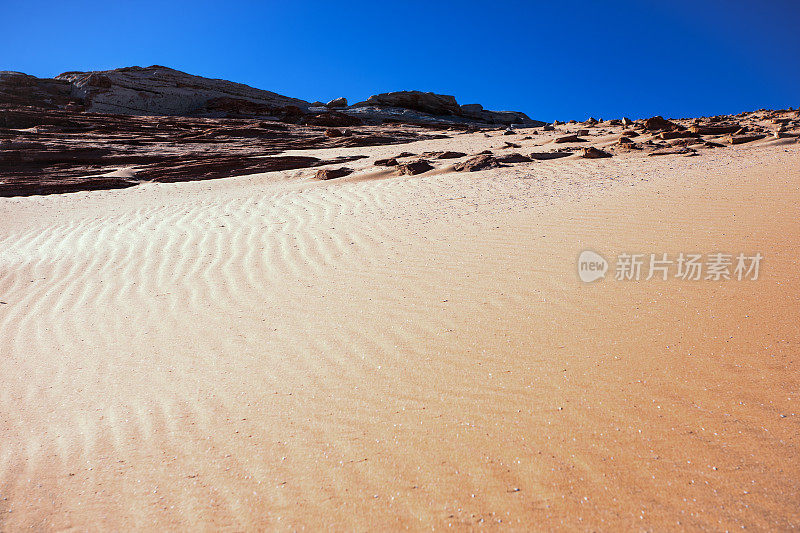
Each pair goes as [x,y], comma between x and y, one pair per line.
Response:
[382,351]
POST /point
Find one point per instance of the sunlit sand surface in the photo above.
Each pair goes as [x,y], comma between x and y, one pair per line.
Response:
[380,352]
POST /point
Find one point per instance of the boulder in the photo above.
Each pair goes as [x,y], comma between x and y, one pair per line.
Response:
[413,168]
[658,123]
[513,158]
[390,162]
[333,173]
[677,134]
[568,139]
[479,162]
[450,155]
[590,152]
[718,129]
[741,139]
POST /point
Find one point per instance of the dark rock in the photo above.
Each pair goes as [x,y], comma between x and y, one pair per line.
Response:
[513,158]
[741,139]
[337,102]
[543,156]
[333,132]
[21,89]
[721,129]
[333,173]
[479,162]
[590,152]
[414,167]
[158,90]
[390,162]
[63,151]
[666,135]
[434,104]
[658,123]
[331,118]
[450,155]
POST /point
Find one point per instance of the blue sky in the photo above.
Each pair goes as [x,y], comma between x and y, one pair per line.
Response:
[553,60]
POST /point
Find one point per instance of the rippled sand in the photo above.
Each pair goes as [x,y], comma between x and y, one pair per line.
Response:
[383,352]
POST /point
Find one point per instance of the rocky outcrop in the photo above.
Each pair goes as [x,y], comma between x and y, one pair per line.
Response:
[331,118]
[158,90]
[333,173]
[337,102]
[413,168]
[658,123]
[430,103]
[479,162]
[544,156]
[21,89]
[590,152]
[443,107]
[513,157]
[162,91]
[53,151]
[572,138]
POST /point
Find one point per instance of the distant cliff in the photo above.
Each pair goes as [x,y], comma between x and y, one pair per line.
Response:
[162,91]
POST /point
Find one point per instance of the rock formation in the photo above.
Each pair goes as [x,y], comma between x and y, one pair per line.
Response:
[162,91]
[158,90]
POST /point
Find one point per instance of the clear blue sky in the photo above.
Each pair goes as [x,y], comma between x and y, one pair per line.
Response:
[550,59]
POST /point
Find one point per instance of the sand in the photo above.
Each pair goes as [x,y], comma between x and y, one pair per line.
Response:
[383,352]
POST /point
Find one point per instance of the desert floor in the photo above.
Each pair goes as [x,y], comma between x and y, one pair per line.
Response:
[382,352]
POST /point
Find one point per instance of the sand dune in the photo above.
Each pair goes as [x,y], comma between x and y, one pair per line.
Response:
[381,352]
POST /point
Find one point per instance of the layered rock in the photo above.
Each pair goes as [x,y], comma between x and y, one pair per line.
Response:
[415,105]
[53,151]
[158,90]
[21,89]
[162,91]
